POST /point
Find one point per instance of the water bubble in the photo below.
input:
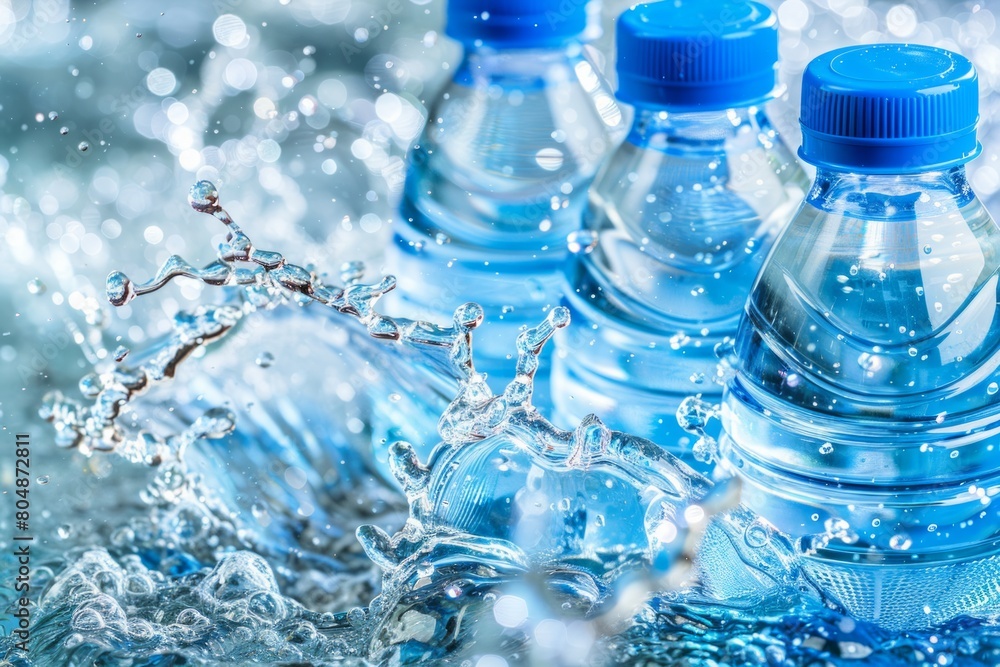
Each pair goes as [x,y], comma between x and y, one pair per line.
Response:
[36,286]
[264,359]
[83,147]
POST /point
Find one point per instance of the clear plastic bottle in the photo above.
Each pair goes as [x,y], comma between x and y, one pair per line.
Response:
[864,416]
[680,218]
[499,176]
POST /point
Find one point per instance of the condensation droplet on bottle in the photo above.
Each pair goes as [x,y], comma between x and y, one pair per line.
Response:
[900,542]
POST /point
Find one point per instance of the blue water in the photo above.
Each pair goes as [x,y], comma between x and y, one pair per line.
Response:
[862,417]
[495,184]
[677,226]
[213,520]
[516,541]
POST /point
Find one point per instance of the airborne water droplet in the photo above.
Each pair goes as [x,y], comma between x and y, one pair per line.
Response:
[36,286]
[121,352]
[826,448]
[204,197]
[42,480]
[83,147]
[264,359]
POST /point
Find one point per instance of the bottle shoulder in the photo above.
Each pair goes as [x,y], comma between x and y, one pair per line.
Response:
[682,229]
[556,118]
[888,312]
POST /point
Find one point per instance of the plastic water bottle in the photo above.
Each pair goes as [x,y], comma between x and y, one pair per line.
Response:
[864,418]
[500,174]
[680,218]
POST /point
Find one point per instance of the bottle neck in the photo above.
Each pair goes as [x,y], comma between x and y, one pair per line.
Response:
[887,197]
[659,128]
[487,64]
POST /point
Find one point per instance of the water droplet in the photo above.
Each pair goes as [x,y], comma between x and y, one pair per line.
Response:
[36,286]
[42,480]
[582,241]
[121,352]
[356,617]
[900,542]
[927,250]
[264,359]
[992,388]
[64,531]
[826,448]
[64,130]
[756,535]
[204,197]
[83,147]
[53,115]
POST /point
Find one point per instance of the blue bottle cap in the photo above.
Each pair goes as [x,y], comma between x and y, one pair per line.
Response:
[516,24]
[889,109]
[697,54]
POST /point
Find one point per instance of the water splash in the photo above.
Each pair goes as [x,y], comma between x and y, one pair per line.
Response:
[514,527]
[269,282]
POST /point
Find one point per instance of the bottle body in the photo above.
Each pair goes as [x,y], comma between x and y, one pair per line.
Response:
[677,226]
[863,416]
[495,185]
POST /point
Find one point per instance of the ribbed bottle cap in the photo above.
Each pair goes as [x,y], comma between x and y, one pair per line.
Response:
[516,23]
[697,54]
[889,109]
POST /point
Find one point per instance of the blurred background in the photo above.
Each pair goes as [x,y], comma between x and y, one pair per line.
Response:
[301,111]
